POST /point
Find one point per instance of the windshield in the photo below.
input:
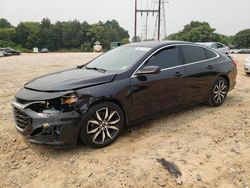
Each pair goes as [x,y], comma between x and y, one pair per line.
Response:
[120,58]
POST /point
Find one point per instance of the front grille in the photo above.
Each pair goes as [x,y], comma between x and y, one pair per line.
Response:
[22,119]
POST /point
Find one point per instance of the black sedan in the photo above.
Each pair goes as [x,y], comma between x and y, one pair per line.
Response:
[94,102]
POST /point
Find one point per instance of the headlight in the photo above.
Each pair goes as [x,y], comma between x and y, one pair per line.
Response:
[69,99]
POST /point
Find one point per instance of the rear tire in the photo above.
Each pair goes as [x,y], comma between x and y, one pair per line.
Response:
[102,125]
[218,92]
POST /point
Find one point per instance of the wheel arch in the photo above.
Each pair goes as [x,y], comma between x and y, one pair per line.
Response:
[226,78]
[115,101]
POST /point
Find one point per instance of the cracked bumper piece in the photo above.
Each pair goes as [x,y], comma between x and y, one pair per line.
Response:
[56,129]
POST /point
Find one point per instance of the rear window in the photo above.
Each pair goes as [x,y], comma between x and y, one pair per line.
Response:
[193,54]
[210,54]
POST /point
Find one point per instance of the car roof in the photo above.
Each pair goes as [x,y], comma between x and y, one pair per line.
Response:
[156,44]
[208,43]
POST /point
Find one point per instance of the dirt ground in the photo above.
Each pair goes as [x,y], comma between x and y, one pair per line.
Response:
[211,146]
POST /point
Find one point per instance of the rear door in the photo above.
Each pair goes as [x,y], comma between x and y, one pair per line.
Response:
[199,69]
[156,92]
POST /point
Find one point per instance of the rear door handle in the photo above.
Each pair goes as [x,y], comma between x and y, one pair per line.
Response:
[178,74]
[210,67]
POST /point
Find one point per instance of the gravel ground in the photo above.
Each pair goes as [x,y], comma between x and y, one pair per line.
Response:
[211,146]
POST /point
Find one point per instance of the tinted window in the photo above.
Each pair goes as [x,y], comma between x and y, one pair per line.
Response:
[214,46]
[217,45]
[166,58]
[210,54]
[193,54]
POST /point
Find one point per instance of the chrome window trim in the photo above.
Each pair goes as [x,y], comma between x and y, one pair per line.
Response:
[184,65]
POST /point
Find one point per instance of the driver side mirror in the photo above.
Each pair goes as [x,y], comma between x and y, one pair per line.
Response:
[149,70]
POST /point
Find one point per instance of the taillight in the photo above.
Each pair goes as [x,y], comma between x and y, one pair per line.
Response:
[233,61]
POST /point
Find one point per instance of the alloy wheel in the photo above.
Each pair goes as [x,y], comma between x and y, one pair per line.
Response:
[220,92]
[103,126]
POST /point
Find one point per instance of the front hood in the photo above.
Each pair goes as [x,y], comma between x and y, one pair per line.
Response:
[70,80]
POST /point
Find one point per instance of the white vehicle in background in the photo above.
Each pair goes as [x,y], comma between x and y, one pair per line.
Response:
[234,51]
[217,46]
[247,65]
[1,54]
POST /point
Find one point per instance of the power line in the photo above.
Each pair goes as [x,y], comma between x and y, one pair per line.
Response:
[160,22]
[147,11]
[160,31]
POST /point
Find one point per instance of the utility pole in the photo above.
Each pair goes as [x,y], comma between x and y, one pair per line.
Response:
[160,30]
[146,28]
[135,37]
[144,11]
[159,21]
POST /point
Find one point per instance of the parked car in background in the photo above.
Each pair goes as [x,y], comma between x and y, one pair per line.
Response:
[1,54]
[247,65]
[217,46]
[95,101]
[234,51]
[44,50]
[11,51]
[244,51]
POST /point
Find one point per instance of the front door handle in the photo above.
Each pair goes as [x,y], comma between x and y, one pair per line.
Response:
[178,74]
[210,67]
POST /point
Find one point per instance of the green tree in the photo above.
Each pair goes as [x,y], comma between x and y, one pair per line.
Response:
[69,35]
[125,41]
[199,32]
[242,39]
[194,24]
[136,39]
[222,38]
[7,34]
[107,32]
[4,23]
[27,34]
[45,23]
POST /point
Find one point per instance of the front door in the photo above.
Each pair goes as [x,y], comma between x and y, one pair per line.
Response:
[156,92]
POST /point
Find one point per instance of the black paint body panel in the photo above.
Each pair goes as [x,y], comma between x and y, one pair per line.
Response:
[138,96]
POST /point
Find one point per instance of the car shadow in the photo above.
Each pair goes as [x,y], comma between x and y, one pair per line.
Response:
[142,125]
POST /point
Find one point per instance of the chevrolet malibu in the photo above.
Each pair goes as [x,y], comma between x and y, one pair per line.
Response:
[93,103]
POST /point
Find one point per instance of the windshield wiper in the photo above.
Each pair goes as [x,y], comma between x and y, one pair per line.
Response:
[96,68]
[81,66]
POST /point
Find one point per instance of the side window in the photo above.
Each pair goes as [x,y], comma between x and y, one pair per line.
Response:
[214,46]
[193,54]
[210,54]
[219,45]
[166,58]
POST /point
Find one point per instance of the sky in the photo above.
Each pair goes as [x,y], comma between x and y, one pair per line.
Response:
[226,16]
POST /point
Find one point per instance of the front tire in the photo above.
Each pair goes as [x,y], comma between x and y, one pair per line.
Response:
[218,92]
[102,125]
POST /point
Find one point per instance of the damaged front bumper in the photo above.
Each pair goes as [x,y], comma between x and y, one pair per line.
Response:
[53,128]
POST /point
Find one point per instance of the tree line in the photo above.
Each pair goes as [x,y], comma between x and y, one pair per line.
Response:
[70,35]
[77,36]
[202,32]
